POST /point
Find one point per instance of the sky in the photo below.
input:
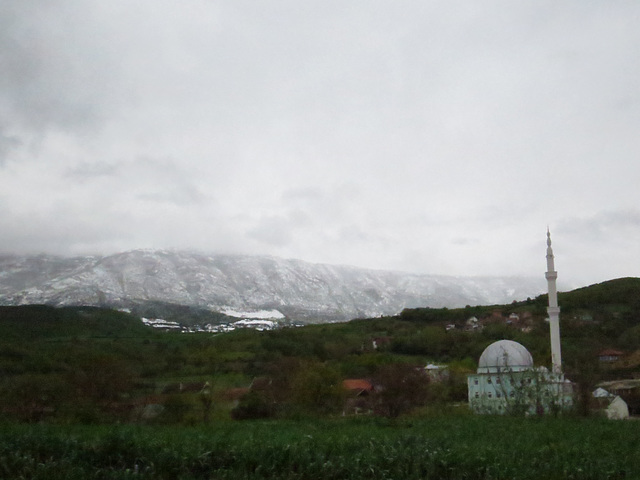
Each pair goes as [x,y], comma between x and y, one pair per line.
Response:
[437,137]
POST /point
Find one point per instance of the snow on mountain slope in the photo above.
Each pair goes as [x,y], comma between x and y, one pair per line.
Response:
[226,283]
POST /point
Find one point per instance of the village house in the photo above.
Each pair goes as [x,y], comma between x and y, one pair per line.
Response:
[358,392]
[610,355]
[612,406]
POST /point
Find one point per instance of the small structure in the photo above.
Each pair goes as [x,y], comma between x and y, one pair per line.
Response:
[357,386]
[358,392]
[617,409]
[437,373]
[513,318]
[379,342]
[610,355]
[613,406]
[628,390]
[471,324]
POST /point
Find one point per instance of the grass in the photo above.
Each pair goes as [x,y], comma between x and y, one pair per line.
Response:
[461,447]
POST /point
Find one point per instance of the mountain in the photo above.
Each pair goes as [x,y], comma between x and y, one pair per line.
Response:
[243,286]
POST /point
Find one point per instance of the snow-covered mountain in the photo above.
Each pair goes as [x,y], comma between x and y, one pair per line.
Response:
[235,283]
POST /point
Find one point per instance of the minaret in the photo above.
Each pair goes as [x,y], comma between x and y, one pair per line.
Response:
[553,310]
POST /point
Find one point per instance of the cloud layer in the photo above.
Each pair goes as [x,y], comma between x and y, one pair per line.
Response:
[437,137]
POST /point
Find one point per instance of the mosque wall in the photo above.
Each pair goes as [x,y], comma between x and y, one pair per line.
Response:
[533,391]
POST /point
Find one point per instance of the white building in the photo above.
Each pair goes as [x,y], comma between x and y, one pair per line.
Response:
[507,380]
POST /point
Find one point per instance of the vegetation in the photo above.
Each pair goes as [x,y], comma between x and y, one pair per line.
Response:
[452,447]
[93,393]
[89,365]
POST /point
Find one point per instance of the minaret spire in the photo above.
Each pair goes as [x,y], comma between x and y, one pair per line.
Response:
[553,310]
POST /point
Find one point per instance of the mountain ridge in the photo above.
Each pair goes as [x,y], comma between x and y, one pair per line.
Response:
[300,290]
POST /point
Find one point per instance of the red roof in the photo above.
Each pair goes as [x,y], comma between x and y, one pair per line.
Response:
[358,384]
[610,353]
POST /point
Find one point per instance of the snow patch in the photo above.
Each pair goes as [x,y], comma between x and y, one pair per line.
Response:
[253,315]
[160,323]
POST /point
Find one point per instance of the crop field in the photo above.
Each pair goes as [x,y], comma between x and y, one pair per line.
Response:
[457,447]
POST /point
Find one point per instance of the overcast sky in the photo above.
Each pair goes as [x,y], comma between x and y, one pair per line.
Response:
[426,136]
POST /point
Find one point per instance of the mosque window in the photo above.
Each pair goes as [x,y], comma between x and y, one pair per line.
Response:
[477,395]
[489,395]
[498,381]
[498,395]
[475,381]
[489,380]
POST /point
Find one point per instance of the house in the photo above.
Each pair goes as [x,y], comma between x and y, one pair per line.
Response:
[513,318]
[628,390]
[358,392]
[610,355]
[379,342]
[613,406]
[617,409]
[437,373]
[357,386]
[472,324]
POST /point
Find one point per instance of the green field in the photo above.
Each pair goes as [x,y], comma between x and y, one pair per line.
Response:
[446,447]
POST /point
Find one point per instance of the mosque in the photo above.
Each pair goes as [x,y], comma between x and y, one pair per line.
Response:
[507,380]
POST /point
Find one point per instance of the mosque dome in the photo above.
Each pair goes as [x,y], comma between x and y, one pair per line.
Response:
[505,354]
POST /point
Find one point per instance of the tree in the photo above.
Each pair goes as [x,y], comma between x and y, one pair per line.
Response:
[317,388]
[399,388]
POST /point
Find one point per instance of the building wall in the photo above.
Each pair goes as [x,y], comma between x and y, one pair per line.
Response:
[527,392]
[617,409]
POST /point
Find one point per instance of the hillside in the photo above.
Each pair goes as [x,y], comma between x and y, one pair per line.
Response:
[96,365]
[157,283]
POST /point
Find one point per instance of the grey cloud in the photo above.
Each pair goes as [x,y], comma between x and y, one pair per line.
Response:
[303,194]
[50,75]
[7,144]
[602,224]
[275,231]
[163,180]
[91,170]
[433,135]
[175,195]
[465,241]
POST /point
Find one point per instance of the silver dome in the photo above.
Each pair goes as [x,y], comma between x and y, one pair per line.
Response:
[505,354]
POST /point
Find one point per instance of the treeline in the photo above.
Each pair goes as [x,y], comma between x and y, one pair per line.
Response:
[92,365]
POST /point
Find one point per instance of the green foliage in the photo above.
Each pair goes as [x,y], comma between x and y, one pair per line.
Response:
[448,447]
[254,405]
[317,388]
[96,365]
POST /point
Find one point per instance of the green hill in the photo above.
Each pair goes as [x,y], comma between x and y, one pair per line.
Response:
[32,322]
[90,364]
